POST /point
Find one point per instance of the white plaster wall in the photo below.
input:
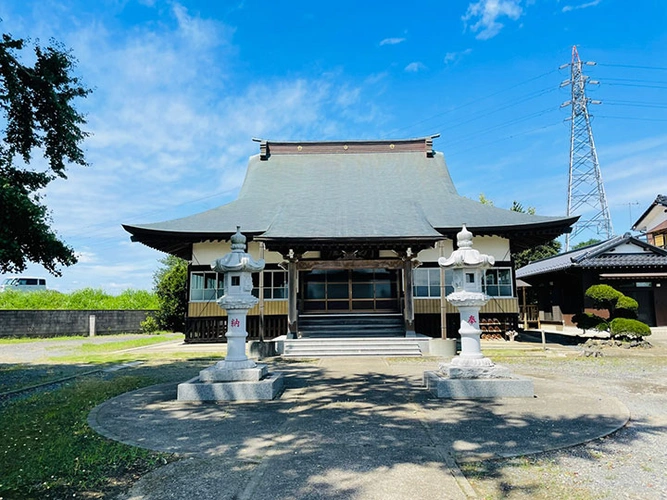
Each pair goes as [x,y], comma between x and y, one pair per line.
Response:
[628,248]
[205,253]
[655,217]
[497,247]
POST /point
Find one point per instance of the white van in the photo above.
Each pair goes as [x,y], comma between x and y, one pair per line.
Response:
[22,284]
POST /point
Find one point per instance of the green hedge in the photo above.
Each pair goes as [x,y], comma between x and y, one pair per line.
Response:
[88,298]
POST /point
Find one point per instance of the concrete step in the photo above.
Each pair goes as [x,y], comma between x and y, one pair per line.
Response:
[351,325]
[369,346]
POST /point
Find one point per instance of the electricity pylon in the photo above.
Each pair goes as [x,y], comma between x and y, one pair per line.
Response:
[585,192]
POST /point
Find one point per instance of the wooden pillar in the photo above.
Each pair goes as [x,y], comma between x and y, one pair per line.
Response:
[261,295]
[292,288]
[443,301]
[408,308]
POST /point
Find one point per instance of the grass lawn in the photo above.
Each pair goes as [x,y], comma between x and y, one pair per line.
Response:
[47,449]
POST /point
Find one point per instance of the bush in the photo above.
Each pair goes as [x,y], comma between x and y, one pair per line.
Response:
[628,329]
[149,325]
[604,296]
[626,307]
[588,321]
[87,298]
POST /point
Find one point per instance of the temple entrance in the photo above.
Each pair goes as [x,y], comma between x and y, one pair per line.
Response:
[350,290]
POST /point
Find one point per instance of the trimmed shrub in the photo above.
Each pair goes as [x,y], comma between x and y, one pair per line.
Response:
[588,321]
[628,329]
[604,296]
[626,307]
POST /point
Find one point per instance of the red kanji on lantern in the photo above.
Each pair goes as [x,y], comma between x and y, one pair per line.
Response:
[235,323]
[471,320]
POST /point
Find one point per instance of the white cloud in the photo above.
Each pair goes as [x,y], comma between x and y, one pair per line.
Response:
[392,41]
[454,57]
[484,16]
[593,3]
[165,144]
[415,67]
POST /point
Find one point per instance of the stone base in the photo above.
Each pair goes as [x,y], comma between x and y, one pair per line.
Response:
[217,374]
[266,389]
[475,388]
[453,371]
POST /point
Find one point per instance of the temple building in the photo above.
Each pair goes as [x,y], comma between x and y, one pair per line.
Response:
[351,232]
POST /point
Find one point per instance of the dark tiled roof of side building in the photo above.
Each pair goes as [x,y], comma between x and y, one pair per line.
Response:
[600,256]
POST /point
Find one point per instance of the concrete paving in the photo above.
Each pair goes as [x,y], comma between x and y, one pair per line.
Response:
[361,428]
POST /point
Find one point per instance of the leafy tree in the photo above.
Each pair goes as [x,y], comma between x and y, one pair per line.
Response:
[538,252]
[170,284]
[587,243]
[38,116]
[484,200]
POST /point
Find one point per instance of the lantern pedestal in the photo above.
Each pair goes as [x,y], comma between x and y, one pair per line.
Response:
[237,378]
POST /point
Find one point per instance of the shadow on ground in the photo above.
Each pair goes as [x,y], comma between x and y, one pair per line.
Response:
[346,430]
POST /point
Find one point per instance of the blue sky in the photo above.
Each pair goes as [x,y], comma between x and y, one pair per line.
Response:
[181,88]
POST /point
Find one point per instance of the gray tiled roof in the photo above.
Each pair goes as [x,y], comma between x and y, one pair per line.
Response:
[338,196]
[600,256]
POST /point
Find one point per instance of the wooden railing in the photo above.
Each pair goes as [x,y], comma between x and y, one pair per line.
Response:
[213,329]
[529,313]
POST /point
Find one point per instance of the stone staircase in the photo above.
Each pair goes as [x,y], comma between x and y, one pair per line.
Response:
[351,335]
[351,325]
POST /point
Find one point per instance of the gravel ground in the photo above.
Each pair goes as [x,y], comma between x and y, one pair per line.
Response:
[631,463]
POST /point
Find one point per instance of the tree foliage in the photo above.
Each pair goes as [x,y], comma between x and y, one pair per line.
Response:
[604,297]
[538,252]
[628,329]
[36,102]
[170,283]
[587,243]
[87,298]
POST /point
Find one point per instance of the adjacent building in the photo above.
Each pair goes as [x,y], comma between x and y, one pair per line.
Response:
[653,222]
[632,266]
[348,229]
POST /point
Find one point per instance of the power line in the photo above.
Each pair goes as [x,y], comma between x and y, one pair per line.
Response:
[468,103]
[632,66]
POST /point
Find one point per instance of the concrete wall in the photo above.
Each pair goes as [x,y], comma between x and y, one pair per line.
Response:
[15,323]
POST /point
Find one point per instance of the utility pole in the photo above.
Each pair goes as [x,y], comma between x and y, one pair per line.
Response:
[585,191]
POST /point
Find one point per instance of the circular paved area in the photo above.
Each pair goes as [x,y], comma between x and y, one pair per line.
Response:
[346,428]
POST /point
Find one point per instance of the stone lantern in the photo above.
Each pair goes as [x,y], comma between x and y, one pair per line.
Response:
[237,378]
[237,267]
[470,375]
[467,266]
